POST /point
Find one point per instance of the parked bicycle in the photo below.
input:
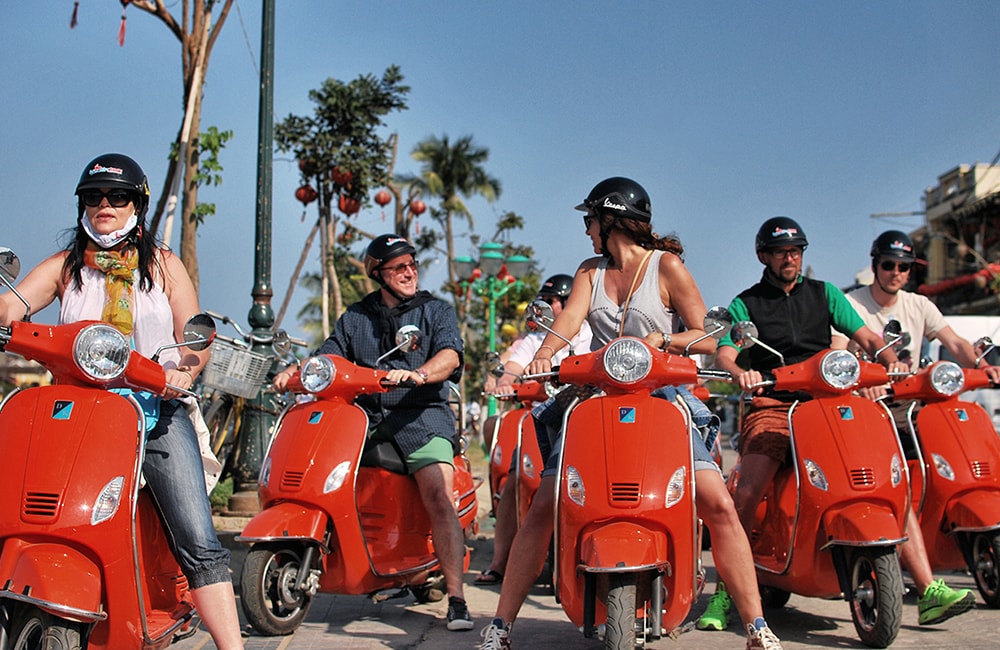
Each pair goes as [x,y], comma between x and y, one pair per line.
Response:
[233,378]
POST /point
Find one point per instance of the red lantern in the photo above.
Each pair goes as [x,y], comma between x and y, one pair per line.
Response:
[307,167]
[341,177]
[417,207]
[382,197]
[348,205]
[476,273]
[306,194]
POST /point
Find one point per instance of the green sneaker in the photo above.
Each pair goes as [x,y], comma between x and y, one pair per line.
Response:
[716,616]
[940,602]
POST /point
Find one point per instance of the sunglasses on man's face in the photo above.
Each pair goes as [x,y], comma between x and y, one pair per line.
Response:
[116,198]
[888,265]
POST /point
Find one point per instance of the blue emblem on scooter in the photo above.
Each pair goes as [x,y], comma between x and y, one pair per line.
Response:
[846,413]
[626,414]
[315,417]
[62,409]
[962,415]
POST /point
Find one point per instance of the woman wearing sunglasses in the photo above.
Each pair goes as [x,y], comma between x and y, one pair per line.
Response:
[113,271]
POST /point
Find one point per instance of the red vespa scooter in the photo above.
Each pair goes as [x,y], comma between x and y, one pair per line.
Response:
[956,477]
[829,524]
[627,547]
[84,561]
[338,517]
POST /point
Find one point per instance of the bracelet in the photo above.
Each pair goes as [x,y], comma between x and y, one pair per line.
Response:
[549,347]
[188,373]
[423,374]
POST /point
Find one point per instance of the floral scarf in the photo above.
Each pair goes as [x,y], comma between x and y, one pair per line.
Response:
[119,276]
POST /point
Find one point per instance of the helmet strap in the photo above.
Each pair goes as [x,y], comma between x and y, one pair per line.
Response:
[111,239]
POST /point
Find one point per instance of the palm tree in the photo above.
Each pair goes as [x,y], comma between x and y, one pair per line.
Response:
[451,172]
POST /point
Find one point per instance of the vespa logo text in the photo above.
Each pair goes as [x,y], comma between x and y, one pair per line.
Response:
[101,169]
[608,203]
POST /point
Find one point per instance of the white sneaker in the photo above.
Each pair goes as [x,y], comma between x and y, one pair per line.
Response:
[761,638]
[496,636]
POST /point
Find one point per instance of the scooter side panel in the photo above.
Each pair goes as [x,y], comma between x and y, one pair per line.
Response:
[625,449]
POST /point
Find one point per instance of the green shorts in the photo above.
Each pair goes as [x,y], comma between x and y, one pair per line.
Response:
[438,450]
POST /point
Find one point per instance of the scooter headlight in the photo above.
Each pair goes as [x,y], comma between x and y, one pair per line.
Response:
[675,486]
[317,373]
[627,360]
[265,473]
[840,369]
[943,467]
[337,477]
[574,486]
[947,378]
[107,501]
[497,457]
[101,352]
[815,475]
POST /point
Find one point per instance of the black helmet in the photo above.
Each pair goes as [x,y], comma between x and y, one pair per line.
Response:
[893,243]
[558,285]
[780,231]
[619,196]
[116,170]
[384,248]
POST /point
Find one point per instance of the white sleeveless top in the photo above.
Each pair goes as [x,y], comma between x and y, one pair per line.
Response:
[151,313]
[646,312]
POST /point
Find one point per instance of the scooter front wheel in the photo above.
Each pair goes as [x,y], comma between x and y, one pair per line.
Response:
[876,595]
[986,566]
[34,629]
[619,633]
[270,601]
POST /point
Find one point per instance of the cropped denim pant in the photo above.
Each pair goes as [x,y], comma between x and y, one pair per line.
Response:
[175,476]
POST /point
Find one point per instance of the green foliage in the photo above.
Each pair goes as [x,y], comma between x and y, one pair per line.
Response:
[343,133]
[209,144]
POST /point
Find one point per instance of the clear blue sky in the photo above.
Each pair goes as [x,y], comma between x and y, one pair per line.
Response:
[728,113]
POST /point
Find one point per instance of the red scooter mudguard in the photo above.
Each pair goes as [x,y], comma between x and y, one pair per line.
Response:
[286,521]
[854,523]
[55,577]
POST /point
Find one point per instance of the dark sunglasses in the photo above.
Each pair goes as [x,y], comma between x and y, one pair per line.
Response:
[116,198]
[399,268]
[888,265]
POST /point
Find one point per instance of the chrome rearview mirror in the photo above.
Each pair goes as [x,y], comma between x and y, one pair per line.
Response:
[407,340]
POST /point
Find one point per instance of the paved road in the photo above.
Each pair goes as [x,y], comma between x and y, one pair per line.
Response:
[355,622]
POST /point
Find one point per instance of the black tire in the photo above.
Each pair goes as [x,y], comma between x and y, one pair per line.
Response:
[220,418]
[34,629]
[619,632]
[267,594]
[876,595]
[774,598]
[986,566]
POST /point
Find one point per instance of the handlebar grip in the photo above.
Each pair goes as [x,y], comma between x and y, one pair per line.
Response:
[406,383]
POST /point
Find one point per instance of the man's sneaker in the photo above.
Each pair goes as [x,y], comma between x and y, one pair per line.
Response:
[759,635]
[940,602]
[496,636]
[458,615]
[716,616]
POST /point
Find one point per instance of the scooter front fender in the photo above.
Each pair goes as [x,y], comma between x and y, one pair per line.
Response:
[285,521]
[53,577]
[623,546]
[862,524]
[973,511]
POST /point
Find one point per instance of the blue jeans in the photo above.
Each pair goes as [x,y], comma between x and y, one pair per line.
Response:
[549,416]
[175,477]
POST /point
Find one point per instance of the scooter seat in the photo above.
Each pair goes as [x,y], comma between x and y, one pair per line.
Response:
[383,454]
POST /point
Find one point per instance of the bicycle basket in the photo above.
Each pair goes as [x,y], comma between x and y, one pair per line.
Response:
[235,370]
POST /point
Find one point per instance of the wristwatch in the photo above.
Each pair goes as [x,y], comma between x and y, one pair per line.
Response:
[422,373]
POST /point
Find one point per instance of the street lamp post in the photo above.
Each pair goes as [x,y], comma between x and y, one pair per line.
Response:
[491,278]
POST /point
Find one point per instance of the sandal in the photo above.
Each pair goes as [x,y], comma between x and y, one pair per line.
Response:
[489,577]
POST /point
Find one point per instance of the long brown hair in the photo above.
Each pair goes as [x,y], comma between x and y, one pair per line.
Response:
[641,233]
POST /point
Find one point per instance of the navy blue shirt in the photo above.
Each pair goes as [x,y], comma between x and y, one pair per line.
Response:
[366,331]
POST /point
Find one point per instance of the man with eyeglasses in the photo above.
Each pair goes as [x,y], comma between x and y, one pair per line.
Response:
[885,300]
[418,421]
[794,315]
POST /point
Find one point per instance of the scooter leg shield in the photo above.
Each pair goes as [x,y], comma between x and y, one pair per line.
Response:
[284,521]
[861,523]
[55,578]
